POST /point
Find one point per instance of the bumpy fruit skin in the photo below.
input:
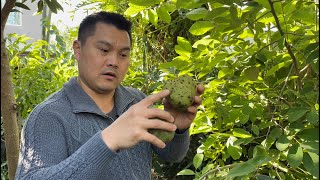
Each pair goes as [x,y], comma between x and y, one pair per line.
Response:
[183,89]
[163,135]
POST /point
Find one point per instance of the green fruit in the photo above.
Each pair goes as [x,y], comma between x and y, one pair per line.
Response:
[163,135]
[183,89]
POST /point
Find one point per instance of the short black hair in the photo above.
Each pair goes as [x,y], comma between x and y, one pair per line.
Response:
[88,24]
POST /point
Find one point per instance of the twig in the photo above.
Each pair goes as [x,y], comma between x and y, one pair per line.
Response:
[288,46]
[216,169]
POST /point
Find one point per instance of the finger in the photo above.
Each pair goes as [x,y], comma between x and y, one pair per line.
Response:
[192,109]
[155,123]
[158,113]
[197,101]
[200,89]
[149,100]
[154,140]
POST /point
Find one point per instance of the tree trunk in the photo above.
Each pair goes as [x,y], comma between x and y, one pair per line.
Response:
[8,103]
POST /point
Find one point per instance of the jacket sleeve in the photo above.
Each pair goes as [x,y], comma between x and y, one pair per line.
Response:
[44,153]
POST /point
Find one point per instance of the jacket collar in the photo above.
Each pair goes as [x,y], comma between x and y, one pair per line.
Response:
[81,102]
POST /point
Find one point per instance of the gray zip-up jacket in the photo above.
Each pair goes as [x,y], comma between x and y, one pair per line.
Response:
[62,140]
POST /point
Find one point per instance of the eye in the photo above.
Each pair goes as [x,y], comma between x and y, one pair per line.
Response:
[125,54]
[104,50]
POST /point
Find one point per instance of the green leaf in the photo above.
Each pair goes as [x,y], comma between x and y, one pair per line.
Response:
[268,142]
[311,163]
[295,155]
[296,113]
[188,4]
[313,117]
[259,160]
[235,151]
[241,133]
[185,172]
[197,14]
[57,5]
[203,41]
[264,3]
[223,72]
[249,166]
[244,141]
[51,6]
[153,17]
[311,146]
[21,5]
[277,67]
[264,177]
[281,43]
[310,134]
[183,48]
[255,130]
[145,3]
[282,143]
[313,56]
[259,151]
[40,6]
[197,160]
[200,27]
[275,133]
[310,48]
[164,14]
[133,10]
[241,169]
[252,73]
[285,79]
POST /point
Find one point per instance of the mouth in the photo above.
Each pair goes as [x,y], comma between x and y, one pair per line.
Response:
[110,74]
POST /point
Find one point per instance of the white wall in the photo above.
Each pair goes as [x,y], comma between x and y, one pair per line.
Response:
[31,25]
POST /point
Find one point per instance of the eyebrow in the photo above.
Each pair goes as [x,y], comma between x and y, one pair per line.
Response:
[109,44]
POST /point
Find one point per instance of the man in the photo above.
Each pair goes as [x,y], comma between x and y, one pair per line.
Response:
[94,128]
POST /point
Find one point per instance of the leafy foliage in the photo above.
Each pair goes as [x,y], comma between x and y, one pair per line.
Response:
[37,74]
[258,61]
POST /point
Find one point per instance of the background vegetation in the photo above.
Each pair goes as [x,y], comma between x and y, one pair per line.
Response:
[258,60]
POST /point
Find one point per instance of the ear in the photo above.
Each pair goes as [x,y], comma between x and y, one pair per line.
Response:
[76,49]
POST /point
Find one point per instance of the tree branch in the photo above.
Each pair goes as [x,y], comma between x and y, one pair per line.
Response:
[288,46]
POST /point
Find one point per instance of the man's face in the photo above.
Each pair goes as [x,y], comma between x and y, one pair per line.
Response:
[103,59]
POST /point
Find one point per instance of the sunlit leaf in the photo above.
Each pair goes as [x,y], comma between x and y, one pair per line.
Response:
[241,133]
[133,10]
[197,160]
[200,27]
[185,172]
[164,14]
[197,14]
[145,3]
[153,17]
[295,155]
[235,151]
[282,143]
[278,67]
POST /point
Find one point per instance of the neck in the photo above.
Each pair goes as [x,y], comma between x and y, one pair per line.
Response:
[105,101]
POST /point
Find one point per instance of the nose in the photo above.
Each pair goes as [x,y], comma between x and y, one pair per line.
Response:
[112,60]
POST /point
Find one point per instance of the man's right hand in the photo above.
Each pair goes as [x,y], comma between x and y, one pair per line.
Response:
[132,126]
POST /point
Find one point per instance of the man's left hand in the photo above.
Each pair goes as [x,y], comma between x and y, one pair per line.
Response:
[183,119]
